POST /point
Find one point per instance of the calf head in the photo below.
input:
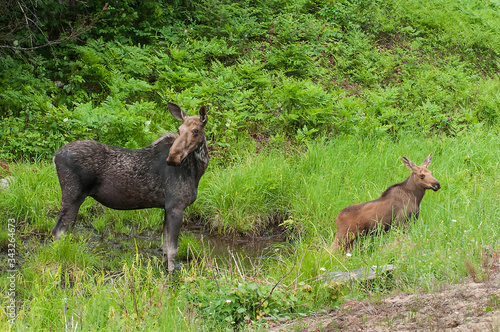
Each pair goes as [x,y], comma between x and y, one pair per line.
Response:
[191,134]
[422,176]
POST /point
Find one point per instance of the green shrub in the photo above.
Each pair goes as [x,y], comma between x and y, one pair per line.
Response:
[236,304]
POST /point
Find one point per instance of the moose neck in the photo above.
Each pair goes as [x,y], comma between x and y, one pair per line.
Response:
[201,156]
[414,190]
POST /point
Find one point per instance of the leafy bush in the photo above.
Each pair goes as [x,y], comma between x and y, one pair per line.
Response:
[349,15]
[270,69]
[42,135]
[237,304]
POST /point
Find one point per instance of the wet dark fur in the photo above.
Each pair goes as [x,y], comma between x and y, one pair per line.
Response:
[128,179]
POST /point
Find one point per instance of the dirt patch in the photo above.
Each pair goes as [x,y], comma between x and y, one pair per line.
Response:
[4,166]
[468,306]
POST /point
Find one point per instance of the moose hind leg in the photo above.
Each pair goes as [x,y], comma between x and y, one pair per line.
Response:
[68,213]
[171,229]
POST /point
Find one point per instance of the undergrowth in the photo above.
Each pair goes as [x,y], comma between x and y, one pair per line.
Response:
[300,70]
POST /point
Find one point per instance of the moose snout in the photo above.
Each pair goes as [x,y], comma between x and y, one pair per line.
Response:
[175,156]
[175,159]
[173,163]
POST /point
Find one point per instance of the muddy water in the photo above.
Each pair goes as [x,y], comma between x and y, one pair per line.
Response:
[265,247]
[225,249]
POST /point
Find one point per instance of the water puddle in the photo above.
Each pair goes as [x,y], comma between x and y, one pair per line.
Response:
[223,248]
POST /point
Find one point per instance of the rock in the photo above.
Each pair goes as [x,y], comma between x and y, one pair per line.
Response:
[5,183]
[360,274]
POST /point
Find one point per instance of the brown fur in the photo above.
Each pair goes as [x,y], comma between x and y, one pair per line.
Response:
[397,205]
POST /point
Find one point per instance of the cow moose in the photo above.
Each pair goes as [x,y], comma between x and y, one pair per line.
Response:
[397,206]
[163,175]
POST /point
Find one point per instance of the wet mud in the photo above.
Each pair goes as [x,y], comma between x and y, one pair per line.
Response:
[223,248]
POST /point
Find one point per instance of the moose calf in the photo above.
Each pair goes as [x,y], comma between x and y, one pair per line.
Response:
[163,175]
[398,204]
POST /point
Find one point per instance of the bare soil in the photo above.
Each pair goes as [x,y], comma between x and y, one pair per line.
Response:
[468,306]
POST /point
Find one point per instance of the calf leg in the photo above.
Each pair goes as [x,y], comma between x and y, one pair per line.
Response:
[171,229]
[335,245]
[344,243]
[344,238]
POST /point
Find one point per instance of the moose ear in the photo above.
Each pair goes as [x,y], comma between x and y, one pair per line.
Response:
[203,115]
[176,111]
[427,161]
[409,164]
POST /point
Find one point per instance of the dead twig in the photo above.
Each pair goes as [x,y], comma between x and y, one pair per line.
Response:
[272,290]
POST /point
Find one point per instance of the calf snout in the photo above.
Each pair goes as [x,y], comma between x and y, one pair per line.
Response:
[435,186]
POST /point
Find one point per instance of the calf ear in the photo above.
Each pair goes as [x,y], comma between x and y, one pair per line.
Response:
[203,115]
[409,164]
[427,161]
[176,111]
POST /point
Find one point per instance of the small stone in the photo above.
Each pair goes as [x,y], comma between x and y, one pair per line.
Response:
[5,183]
[360,274]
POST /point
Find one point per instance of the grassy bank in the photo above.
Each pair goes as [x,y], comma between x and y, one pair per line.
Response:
[72,282]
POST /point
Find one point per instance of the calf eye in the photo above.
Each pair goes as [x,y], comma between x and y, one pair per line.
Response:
[195,131]
[422,176]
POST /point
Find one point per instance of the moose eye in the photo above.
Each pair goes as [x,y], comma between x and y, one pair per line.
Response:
[195,131]
[422,176]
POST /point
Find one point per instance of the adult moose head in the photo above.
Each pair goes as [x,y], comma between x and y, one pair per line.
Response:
[398,204]
[163,175]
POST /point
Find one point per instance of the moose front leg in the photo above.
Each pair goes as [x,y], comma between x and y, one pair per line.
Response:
[171,229]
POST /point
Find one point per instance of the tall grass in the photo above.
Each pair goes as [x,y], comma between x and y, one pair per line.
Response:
[72,297]
[305,189]
[306,185]
[313,186]
[455,224]
[68,281]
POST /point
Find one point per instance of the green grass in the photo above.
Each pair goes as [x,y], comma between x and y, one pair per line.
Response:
[467,25]
[306,188]
[311,187]
[34,195]
[64,298]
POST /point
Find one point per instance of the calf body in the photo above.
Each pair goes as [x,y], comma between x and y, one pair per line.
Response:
[398,204]
[163,175]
